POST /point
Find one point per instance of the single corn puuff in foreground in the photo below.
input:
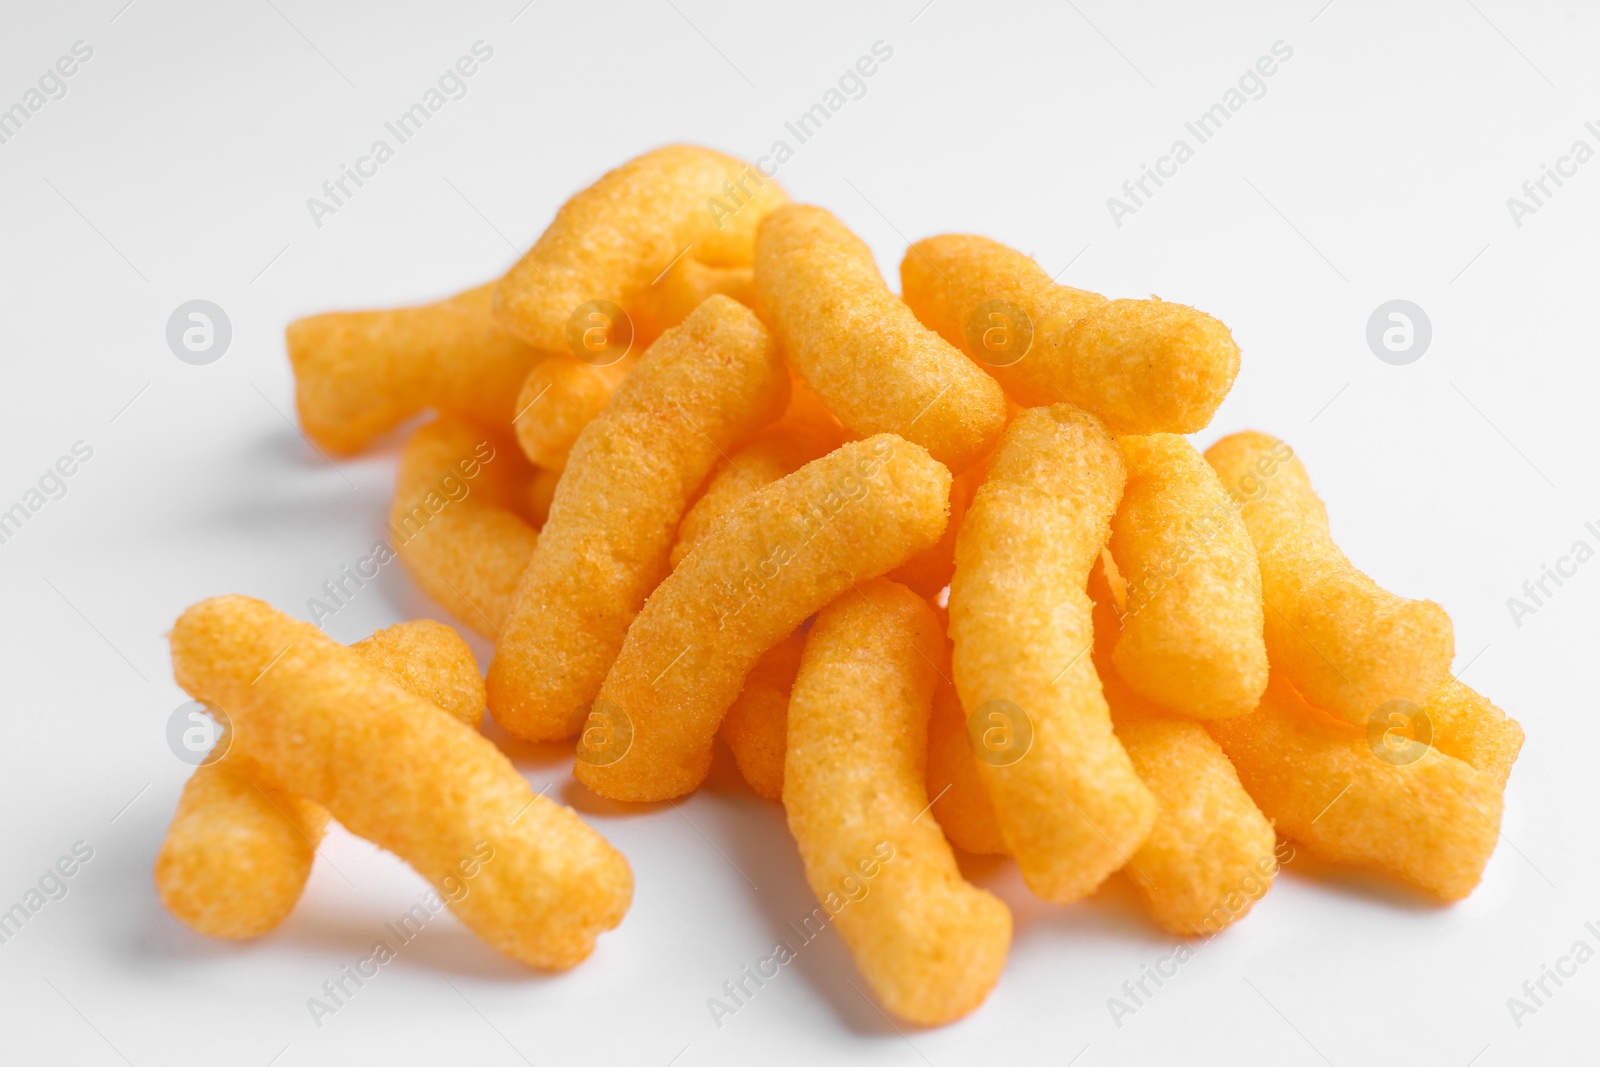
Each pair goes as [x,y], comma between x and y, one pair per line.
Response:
[930,945]
[1070,806]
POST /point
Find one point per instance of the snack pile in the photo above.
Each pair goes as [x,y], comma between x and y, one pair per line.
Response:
[938,568]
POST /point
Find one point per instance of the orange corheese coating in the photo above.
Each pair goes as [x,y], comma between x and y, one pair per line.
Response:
[929,944]
[805,433]
[961,800]
[754,730]
[869,359]
[538,493]
[1070,806]
[704,387]
[757,722]
[613,239]
[1432,823]
[1465,724]
[319,723]
[359,373]
[1211,854]
[237,855]
[1191,636]
[431,660]
[778,557]
[1141,366]
[560,396]
[754,725]
[757,465]
[563,394]
[666,302]
[1347,645]
[928,572]
[455,524]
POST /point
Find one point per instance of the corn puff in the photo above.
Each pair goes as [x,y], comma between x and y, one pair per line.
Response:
[705,386]
[359,373]
[237,854]
[320,724]
[1070,806]
[806,432]
[1432,822]
[961,801]
[1347,645]
[453,522]
[1211,854]
[872,363]
[1191,636]
[612,240]
[757,722]
[778,557]
[930,945]
[1141,366]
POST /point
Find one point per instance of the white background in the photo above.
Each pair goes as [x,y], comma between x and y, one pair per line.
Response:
[1377,166]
